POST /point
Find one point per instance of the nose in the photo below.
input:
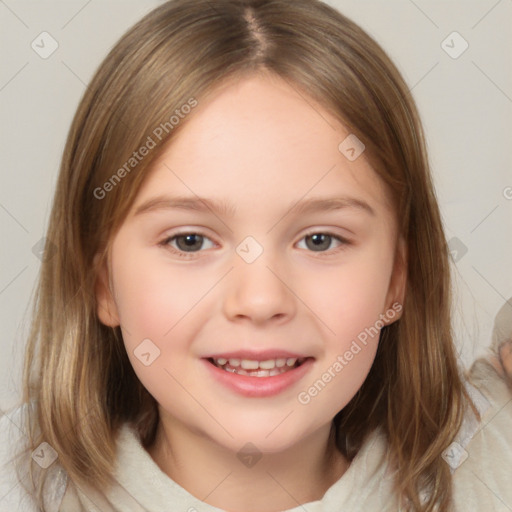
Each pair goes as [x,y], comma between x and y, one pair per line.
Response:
[259,293]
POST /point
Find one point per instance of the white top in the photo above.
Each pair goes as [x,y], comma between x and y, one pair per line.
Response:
[480,460]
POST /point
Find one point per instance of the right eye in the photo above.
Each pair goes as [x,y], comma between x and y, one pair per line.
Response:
[186,242]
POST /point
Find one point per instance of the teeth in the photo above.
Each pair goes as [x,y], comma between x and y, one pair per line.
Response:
[267,368]
[249,365]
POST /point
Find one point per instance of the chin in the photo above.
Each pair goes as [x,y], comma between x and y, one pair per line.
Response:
[267,437]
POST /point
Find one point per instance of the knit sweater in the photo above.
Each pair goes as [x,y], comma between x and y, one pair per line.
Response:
[480,460]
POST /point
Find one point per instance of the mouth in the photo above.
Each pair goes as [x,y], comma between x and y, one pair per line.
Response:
[260,377]
[254,368]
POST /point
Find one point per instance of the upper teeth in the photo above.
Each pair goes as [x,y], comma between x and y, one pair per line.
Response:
[250,364]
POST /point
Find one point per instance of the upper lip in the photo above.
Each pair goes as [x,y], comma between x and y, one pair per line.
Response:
[264,355]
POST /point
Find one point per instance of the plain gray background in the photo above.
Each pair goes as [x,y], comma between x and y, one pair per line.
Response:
[465,100]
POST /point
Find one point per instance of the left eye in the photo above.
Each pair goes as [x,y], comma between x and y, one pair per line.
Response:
[321,242]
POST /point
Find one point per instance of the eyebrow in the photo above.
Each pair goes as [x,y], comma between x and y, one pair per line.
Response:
[201,204]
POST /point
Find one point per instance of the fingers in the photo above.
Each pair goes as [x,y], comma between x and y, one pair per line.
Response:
[505,353]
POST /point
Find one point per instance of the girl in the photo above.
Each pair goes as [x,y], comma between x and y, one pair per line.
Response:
[248,308]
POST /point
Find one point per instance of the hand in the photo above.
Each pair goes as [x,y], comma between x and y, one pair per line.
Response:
[503,362]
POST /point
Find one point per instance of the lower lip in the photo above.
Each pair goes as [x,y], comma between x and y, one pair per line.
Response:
[259,386]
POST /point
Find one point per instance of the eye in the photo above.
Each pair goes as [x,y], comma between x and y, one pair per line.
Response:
[322,242]
[187,242]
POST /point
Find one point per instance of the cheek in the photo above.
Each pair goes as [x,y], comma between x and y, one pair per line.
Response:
[151,297]
[350,306]
[348,298]
[152,301]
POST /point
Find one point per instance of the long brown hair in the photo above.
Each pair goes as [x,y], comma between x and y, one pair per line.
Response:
[77,373]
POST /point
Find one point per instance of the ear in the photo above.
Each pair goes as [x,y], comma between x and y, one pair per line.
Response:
[106,306]
[398,281]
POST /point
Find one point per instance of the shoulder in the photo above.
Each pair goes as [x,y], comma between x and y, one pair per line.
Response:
[481,455]
[15,459]
[12,493]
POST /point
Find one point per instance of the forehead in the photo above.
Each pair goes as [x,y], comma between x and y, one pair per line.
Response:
[259,139]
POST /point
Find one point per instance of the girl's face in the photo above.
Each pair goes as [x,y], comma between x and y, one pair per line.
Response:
[255,238]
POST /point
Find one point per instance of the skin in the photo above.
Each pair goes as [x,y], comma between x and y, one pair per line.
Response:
[257,144]
[503,361]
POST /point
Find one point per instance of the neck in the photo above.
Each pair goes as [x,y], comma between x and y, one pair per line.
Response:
[275,482]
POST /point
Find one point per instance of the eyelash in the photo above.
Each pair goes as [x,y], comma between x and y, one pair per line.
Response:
[190,254]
